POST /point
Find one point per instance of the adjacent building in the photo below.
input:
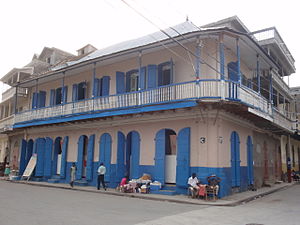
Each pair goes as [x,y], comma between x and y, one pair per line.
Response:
[209,100]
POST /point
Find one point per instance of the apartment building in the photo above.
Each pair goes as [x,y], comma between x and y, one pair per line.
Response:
[209,100]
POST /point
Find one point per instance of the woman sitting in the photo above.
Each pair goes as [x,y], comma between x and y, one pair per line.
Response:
[125,186]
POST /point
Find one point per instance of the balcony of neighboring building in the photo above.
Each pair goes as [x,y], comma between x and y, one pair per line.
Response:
[11,92]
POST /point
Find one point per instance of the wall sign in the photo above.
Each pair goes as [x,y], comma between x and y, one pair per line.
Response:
[202,140]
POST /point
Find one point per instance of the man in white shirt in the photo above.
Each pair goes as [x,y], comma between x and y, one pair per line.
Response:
[193,184]
[101,172]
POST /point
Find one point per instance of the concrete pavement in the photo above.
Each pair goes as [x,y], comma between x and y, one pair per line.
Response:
[232,200]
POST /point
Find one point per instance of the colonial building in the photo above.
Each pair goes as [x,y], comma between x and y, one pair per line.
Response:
[209,100]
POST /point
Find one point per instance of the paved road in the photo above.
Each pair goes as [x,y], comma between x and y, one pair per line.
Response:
[31,205]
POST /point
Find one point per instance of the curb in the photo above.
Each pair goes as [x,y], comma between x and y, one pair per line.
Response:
[141,196]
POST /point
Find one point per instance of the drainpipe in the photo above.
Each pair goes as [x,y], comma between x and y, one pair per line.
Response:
[222,56]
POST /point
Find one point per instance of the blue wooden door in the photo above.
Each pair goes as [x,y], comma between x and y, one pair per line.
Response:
[23,164]
[135,155]
[160,143]
[80,145]
[55,155]
[105,86]
[90,158]
[250,160]
[105,154]
[29,149]
[40,150]
[120,82]
[64,157]
[235,160]
[48,157]
[183,157]
[120,156]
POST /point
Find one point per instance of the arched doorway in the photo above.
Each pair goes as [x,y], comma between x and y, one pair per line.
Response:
[57,156]
[120,156]
[132,158]
[105,154]
[250,161]
[48,157]
[235,160]
[82,157]
[165,156]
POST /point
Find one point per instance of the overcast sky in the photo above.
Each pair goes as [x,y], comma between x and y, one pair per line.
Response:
[28,26]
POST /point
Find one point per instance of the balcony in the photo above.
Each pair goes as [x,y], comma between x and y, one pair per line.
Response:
[203,90]
[6,124]
[22,92]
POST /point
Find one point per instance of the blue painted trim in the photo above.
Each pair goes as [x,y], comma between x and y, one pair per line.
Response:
[222,60]
[238,62]
[110,113]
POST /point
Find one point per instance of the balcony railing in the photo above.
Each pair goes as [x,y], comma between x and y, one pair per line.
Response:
[204,90]
[12,91]
[6,123]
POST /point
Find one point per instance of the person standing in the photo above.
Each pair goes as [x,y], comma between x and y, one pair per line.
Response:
[73,173]
[101,173]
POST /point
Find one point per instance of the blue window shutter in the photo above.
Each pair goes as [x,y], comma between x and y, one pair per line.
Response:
[159,169]
[90,158]
[128,74]
[64,157]
[152,71]
[183,157]
[142,79]
[135,155]
[41,99]
[160,74]
[23,163]
[52,97]
[96,87]
[120,156]
[34,100]
[85,89]
[39,170]
[75,92]
[105,86]
[120,82]
[29,149]
[233,71]
[65,94]
[48,157]
[80,157]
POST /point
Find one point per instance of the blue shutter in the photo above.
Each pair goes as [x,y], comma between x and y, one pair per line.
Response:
[40,150]
[233,71]
[84,89]
[65,94]
[250,160]
[55,155]
[142,79]
[48,157]
[105,86]
[120,156]
[52,97]
[238,161]
[23,163]
[135,155]
[160,143]
[152,70]
[29,149]
[235,160]
[75,92]
[90,158]
[34,100]
[96,87]
[105,154]
[128,74]
[120,79]
[160,74]
[64,157]
[80,157]
[41,99]
[183,157]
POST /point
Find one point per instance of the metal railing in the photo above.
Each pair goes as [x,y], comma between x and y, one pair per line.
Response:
[210,90]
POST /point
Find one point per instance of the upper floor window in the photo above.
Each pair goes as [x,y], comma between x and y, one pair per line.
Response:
[165,74]
[38,99]
[79,91]
[101,86]
[58,96]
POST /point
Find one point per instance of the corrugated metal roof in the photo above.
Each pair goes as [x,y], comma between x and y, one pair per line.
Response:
[182,28]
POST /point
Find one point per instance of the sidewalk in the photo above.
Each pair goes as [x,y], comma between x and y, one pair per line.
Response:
[232,200]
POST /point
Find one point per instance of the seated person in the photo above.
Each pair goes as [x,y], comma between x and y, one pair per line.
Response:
[294,175]
[193,184]
[125,186]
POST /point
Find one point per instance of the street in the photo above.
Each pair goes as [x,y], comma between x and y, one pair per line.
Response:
[32,205]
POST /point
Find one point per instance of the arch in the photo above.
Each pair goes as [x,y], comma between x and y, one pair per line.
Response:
[105,154]
[48,157]
[56,159]
[132,159]
[235,160]
[40,151]
[120,156]
[81,156]
[250,161]
[183,157]
[64,157]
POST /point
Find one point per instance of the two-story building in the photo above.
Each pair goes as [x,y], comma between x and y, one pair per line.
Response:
[209,100]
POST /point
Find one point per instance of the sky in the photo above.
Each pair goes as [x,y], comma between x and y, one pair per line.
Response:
[26,27]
